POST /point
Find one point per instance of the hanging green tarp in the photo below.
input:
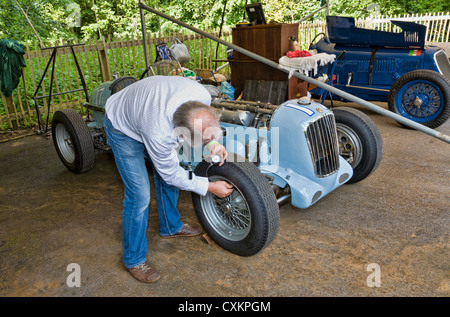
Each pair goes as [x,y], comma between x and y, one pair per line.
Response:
[11,63]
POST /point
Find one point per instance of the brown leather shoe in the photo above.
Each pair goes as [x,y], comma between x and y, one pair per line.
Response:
[186,231]
[144,273]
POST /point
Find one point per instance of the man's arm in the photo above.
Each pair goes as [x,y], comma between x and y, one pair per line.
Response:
[215,148]
[220,188]
[164,157]
[165,160]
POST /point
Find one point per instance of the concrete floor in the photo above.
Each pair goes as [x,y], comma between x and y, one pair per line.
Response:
[397,218]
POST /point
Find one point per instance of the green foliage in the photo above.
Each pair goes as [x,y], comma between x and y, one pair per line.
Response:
[47,17]
[106,17]
[90,19]
[51,18]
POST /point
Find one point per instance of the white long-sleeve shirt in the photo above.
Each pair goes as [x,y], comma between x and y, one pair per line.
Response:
[144,112]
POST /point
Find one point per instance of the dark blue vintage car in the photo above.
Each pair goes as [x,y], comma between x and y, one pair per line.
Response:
[397,68]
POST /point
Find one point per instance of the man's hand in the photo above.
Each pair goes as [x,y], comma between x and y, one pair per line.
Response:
[220,188]
[219,149]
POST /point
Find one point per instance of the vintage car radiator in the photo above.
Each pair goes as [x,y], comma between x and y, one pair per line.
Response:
[323,146]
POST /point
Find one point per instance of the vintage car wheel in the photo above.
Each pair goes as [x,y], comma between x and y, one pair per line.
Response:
[246,221]
[422,96]
[360,142]
[73,141]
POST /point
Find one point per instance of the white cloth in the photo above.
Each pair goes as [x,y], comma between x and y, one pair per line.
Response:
[305,64]
[144,112]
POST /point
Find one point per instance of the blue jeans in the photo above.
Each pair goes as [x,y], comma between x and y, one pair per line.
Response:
[130,156]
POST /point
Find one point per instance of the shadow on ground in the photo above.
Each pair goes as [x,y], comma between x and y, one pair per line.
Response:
[397,218]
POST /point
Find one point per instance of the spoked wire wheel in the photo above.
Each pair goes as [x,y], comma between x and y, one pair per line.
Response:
[360,142]
[349,144]
[229,216]
[246,221]
[422,96]
[420,100]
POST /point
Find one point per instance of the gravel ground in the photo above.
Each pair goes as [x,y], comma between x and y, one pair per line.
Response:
[397,219]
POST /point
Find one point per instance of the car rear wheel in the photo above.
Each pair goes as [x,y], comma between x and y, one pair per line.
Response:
[73,141]
[360,142]
[422,96]
[246,221]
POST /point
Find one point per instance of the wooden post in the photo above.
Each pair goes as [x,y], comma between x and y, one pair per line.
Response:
[103,61]
[10,110]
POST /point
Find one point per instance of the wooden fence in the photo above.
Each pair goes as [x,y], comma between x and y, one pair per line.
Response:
[101,58]
[437,24]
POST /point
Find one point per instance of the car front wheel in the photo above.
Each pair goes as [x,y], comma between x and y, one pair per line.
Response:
[246,221]
[360,142]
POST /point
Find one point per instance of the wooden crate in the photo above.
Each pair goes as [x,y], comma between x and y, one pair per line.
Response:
[271,41]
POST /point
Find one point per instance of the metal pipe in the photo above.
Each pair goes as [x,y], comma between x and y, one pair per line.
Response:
[264,105]
[362,102]
[283,199]
[61,46]
[367,88]
[80,73]
[312,13]
[144,35]
[60,93]
[241,107]
[220,67]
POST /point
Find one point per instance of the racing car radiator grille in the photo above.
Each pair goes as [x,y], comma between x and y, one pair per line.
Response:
[323,145]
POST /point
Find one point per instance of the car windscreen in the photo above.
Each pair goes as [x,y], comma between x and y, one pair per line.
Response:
[443,63]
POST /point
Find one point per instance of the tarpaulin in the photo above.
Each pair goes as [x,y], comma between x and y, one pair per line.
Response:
[11,63]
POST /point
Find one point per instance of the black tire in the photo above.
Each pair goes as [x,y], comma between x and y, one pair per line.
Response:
[422,96]
[360,142]
[245,222]
[73,141]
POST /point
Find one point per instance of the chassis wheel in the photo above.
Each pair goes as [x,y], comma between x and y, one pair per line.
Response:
[360,142]
[422,96]
[73,141]
[245,222]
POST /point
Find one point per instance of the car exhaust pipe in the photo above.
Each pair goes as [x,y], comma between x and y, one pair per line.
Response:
[362,102]
[283,200]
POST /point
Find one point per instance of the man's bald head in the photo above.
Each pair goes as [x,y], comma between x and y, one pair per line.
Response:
[202,121]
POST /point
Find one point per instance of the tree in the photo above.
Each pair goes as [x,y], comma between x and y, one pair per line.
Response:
[47,17]
[51,18]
